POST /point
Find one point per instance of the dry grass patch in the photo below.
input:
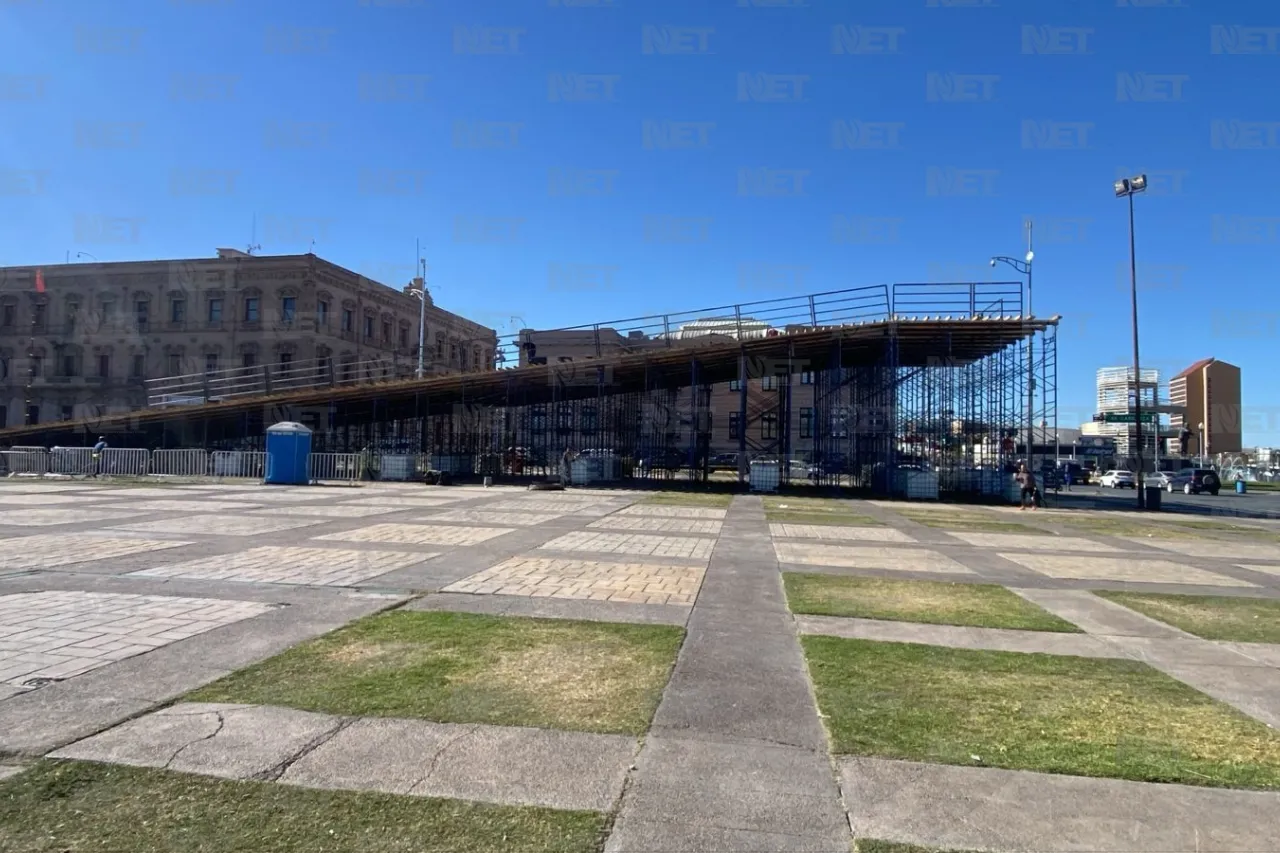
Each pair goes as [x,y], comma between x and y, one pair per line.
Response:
[1047,713]
[786,516]
[689,499]
[469,668]
[62,806]
[1111,525]
[930,602]
[971,522]
[1240,620]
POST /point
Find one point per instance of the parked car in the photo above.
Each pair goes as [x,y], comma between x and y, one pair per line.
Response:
[1194,481]
[1116,479]
[1160,478]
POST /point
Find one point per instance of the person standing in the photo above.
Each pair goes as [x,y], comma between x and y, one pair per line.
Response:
[97,455]
[1027,481]
[566,461]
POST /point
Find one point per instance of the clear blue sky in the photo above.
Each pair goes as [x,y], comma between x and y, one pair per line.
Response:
[160,128]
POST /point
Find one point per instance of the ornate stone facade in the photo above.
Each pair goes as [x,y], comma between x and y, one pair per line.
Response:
[84,347]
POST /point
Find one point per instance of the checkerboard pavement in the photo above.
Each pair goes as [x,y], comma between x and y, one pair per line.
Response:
[418,534]
[633,543]
[219,525]
[57,635]
[49,550]
[656,525]
[53,517]
[635,583]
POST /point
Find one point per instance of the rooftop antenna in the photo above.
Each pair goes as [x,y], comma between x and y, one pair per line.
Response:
[253,238]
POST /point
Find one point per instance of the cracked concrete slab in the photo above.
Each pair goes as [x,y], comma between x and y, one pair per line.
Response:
[960,637]
[227,741]
[1097,615]
[494,764]
[979,808]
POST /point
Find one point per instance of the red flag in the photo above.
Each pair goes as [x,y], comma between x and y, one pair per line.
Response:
[39,281]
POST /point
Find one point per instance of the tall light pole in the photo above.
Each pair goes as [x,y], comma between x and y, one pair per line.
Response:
[1024,267]
[419,289]
[1201,425]
[1128,188]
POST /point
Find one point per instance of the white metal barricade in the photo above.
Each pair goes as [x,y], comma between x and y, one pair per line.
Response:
[71,460]
[248,464]
[179,463]
[26,460]
[342,467]
[123,462]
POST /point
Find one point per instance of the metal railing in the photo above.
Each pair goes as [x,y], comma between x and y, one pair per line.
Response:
[197,388]
[334,467]
[245,464]
[179,463]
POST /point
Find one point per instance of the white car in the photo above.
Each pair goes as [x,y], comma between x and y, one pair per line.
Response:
[1118,480]
[1163,479]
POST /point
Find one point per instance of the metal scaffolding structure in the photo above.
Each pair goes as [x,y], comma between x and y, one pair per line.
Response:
[909,383]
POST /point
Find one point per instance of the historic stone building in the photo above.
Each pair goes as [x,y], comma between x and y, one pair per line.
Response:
[78,340]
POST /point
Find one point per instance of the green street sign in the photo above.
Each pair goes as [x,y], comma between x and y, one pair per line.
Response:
[1126,417]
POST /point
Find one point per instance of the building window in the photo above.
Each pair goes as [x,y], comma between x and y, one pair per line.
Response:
[211,362]
[37,365]
[463,356]
[249,360]
[806,378]
[175,364]
[70,365]
[348,320]
[768,426]
[142,313]
[4,372]
[104,365]
[368,328]
[475,357]
[251,309]
[41,315]
[4,417]
[404,337]
[735,385]
[177,310]
[806,423]
[590,419]
[386,331]
[108,311]
[440,349]
[322,313]
[564,417]
[768,383]
[215,311]
[9,316]
[33,415]
[138,369]
[73,310]
[286,359]
[453,353]
[68,412]
[288,308]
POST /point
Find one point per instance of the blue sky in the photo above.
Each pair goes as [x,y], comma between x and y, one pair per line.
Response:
[908,141]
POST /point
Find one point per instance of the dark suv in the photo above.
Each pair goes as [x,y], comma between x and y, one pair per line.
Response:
[1200,480]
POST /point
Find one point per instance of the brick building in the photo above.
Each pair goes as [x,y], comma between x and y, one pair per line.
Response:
[82,345]
[1209,391]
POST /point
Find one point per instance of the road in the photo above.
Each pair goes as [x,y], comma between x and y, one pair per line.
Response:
[1253,504]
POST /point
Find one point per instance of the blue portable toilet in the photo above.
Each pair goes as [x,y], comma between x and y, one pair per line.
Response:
[288,455]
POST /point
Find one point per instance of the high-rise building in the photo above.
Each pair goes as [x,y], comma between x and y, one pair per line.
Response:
[1115,417]
[79,340]
[1209,394]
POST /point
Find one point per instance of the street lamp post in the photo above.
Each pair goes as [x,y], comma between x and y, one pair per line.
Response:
[1128,188]
[419,289]
[1201,427]
[1024,267]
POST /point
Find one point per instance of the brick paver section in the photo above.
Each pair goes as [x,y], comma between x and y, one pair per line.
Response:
[424,502]
[1032,542]
[47,550]
[50,517]
[194,507]
[657,525]
[634,583]
[519,519]
[327,511]
[633,543]
[837,532]
[543,505]
[900,559]
[418,534]
[1120,569]
[58,635]
[660,511]
[309,566]
[219,525]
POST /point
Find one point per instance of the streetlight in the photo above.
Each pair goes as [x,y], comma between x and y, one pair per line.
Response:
[1024,267]
[1201,428]
[1128,188]
[419,289]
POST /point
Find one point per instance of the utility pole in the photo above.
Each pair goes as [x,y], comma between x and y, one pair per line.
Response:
[422,312]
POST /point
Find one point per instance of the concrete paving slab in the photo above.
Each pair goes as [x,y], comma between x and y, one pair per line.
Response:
[661,511]
[1031,542]
[838,533]
[544,577]
[1265,653]
[418,534]
[227,741]
[1252,689]
[1158,651]
[37,721]
[555,608]
[978,808]
[291,565]
[633,835]
[992,639]
[7,770]
[1229,549]
[1097,615]
[732,786]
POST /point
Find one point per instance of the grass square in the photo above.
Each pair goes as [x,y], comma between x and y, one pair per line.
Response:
[1213,617]
[969,522]
[470,668]
[1047,713]
[930,602]
[57,806]
[788,516]
[689,499]
[1121,526]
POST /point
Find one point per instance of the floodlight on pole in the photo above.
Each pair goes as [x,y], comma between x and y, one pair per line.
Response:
[1128,188]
